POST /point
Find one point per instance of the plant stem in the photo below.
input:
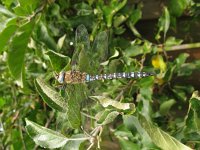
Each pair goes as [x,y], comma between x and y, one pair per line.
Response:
[182,47]
[78,139]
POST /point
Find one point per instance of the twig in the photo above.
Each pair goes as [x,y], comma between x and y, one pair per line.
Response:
[182,47]
[21,135]
[89,116]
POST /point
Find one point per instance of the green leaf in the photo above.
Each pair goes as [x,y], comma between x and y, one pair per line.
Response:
[165,106]
[118,20]
[132,123]
[180,60]
[106,117]
[6,12]
[192,119]
[23,8]
[176,8]
[107,102]
[50,96]
[171,41]
[45,37]
[146,82]
[2,102]
[112,9]
[179,93]
[45,137]
[16,143]
[186,69]
[127,144]
[135,16]
[163,23]
[6,35]
[133,50]
[83,9]
[58,61]
[17,50]
[74,144]
[161,138]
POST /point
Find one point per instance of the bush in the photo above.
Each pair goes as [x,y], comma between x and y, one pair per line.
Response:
[37,42]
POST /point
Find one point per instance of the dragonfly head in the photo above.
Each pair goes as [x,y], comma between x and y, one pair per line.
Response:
[60,77]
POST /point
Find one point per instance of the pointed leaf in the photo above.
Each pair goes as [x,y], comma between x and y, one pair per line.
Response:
[106,117]
[45,37]
[192,119]
[163,23]
[107,102]
[50,96]
[58,61]
[161,138]
[6,35]
[61,41]
[45,137]
[17,49]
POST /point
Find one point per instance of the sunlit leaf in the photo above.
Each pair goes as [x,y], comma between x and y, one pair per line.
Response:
[107,102]
[106,117]
[171,41]
[45,137]
[6,12]
[192,119]
[23,8]
[163,23]
[61,41]
[161,138]
[118,20]
[50,96]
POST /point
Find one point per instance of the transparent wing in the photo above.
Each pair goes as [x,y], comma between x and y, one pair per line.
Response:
[100,48]
[82,45]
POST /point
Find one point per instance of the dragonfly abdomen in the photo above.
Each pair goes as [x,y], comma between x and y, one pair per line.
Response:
[117,76]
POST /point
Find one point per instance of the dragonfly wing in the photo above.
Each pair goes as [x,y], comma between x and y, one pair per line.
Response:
[100,48]
[82,44]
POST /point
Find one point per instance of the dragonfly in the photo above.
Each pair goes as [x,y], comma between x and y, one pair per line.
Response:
[74,77]
[96,54]
[85,68]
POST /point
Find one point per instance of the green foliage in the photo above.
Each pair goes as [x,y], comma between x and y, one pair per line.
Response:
[37,41]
